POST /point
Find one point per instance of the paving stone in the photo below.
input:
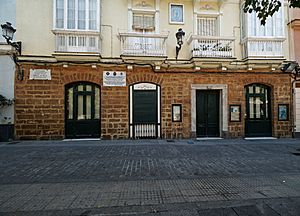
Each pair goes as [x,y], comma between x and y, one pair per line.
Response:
[61,202]
[217,212]
[37,177]
[256,210]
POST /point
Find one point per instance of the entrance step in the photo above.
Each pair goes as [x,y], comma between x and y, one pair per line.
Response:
[83,139]
[260,138]
[209,138]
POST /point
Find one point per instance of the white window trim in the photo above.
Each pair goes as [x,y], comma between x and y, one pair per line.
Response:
[76,23]
[170,13]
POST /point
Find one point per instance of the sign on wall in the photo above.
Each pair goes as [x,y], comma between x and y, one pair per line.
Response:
[40,74]
[114,78]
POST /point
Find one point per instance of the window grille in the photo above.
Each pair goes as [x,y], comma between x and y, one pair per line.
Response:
[207,26]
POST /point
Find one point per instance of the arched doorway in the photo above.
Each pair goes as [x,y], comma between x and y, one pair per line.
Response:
[144,112]
[258,121]
[82,110]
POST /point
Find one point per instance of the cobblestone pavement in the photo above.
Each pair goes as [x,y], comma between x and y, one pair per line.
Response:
[187,177]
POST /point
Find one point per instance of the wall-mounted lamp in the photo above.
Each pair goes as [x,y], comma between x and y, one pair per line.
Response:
[179,35]
[8,33]
[291,67]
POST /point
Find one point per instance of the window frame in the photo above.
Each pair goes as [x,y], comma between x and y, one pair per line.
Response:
[174,117]
[170,13]
[143,14]
[87,19]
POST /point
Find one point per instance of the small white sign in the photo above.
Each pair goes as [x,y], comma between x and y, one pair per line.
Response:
[144,86]
[114,78]
[40,74]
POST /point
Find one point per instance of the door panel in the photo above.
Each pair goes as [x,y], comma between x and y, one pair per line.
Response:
[145,107]
[258,111]
[207,116]
[145,122]
[82,111]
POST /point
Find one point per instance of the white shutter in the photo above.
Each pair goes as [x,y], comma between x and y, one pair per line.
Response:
[143,21]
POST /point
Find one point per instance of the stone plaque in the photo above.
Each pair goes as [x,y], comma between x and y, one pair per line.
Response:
[40,74]
[114,78]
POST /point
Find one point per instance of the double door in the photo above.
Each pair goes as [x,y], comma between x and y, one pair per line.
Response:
[208,113]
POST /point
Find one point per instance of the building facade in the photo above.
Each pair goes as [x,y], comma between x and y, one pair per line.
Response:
[294,25]
[7,73]
[103,69]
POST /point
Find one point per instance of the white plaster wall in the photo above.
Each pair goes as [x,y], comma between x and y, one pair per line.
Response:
[7,14]
[114,19]
[34,25]
[35,22]
[7,87]
[230,24]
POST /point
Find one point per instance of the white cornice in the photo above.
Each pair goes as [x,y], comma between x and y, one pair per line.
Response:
[6,49]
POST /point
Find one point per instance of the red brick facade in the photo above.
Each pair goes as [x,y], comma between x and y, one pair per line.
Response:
[40,105]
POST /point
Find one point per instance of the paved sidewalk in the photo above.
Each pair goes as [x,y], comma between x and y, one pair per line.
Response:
[92,195]
[186,177]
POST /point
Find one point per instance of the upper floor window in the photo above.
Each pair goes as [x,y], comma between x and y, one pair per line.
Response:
[143,22]
[207,26]
[272,28]
[77,14]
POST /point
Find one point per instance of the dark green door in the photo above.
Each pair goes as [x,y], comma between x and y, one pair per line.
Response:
[258,111]
[145,113]
[207,116]
[82,111]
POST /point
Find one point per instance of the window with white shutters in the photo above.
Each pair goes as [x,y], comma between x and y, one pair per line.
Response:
[207,26]
[143,21]
[77,14]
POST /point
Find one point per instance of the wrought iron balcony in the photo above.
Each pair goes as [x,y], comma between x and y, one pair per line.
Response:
[211,46]
[73,41]
[135,44]
[254,47]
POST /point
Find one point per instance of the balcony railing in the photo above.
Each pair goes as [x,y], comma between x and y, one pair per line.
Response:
[134,44]
[263,47]
[67,41]
[211,47]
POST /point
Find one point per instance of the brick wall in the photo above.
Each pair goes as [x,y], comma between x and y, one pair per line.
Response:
[39,107]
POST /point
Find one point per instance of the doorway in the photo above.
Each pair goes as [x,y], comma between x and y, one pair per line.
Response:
[82,110]
[258,122]
[208,113]
[144,111]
